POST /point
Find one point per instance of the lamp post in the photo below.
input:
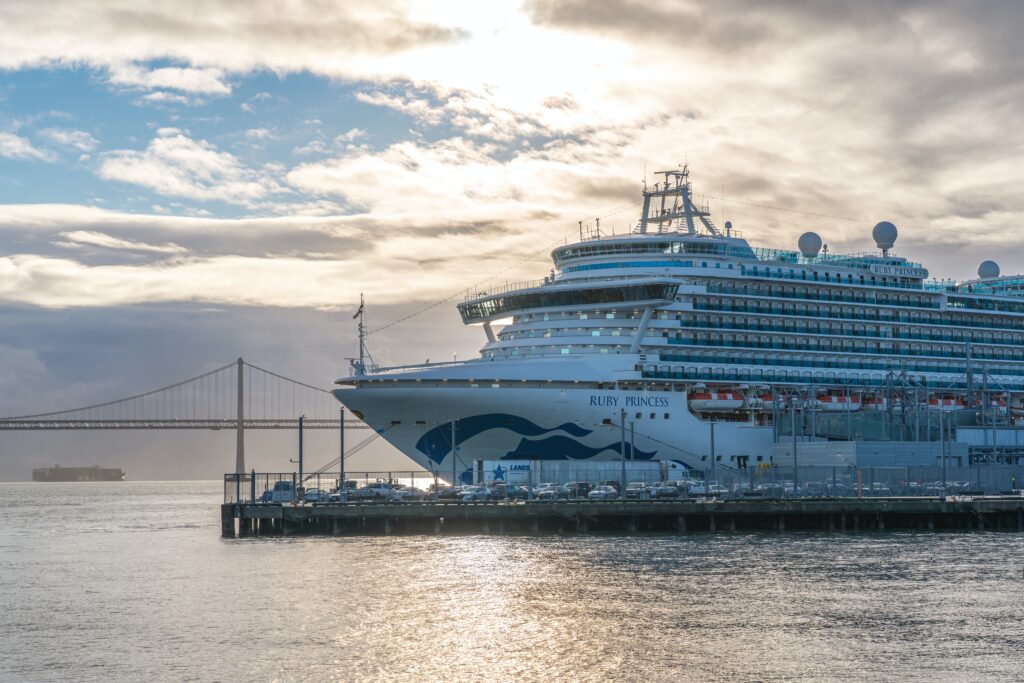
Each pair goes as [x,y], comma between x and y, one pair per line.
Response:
[622,452]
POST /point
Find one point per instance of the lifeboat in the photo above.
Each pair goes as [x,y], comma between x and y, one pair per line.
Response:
[834,403]
[716,401]
[882,403]
[874,403]
[945,403]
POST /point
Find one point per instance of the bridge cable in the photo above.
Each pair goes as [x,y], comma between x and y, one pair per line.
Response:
[127,398]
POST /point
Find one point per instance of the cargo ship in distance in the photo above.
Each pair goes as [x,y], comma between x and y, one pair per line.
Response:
[680,341]
[94,473]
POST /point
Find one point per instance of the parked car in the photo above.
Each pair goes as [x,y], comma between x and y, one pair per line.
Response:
[448,493]
[314,495]
[507,492]
[516,492]
[665,489]
[614,483]
[473,494]
[603,493]
[349,489]
[376,491]
[638,490]
[578,489]
[403,494]
[552,492]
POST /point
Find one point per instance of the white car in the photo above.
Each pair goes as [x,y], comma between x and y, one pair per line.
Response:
[603,493]
[405,493]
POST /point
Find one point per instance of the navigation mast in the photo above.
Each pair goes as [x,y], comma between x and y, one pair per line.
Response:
[360,365]
[676,184]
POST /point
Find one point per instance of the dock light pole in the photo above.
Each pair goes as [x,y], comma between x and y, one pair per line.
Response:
[455,468]
[622,451]
[302,418]
[713,456]
[342,494]
[792,426]
[942,451]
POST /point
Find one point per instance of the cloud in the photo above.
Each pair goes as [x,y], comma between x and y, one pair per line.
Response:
[201,81]
[351,135]
[75,139]
[220,34]
[16,147]
[259,134]
[174,164]
[99,239]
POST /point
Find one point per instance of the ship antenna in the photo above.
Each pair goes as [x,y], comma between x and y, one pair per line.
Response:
[360,366]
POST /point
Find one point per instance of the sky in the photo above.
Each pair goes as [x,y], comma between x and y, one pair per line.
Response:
[185,183]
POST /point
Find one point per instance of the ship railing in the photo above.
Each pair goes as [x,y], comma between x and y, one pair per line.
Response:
[505,288]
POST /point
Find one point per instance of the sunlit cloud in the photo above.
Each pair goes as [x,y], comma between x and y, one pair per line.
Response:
[74,139]
[174,164]
[17,147]
[99,239]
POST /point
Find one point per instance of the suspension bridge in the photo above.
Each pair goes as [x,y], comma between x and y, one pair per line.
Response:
[236,396]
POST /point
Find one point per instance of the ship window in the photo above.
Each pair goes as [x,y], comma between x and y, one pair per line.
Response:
[606,421]
[395,423]
[654,415]
[421,423]
[666,416]
[639,415]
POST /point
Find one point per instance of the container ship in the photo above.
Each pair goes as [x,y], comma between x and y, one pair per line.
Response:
[679,340]
[94,473]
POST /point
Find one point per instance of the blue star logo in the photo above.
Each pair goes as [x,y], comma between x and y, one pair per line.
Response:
[499,472]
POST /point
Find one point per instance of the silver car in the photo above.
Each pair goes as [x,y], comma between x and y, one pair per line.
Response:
[603,493]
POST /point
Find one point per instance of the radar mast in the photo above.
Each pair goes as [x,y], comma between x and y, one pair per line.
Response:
[682,210]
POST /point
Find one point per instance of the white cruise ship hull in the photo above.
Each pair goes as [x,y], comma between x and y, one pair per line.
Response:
[507,422]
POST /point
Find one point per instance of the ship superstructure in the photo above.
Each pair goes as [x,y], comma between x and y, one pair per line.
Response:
[708,349]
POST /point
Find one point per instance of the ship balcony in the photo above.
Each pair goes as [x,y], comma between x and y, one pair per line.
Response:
[633,292]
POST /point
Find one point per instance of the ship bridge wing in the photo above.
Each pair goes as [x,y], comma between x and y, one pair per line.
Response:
[581,296]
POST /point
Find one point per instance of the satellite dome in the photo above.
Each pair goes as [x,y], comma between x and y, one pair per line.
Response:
[809,244]
[728,225]
[884,235]
[988,270]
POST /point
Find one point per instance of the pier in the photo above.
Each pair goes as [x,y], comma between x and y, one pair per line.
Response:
[623,517]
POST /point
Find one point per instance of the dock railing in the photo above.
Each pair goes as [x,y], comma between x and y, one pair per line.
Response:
[285,487]
[757,482]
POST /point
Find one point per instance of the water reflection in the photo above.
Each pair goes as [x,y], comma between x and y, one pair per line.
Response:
[99,586]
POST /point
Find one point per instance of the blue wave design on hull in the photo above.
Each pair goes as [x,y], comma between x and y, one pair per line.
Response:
[564,448]
[437,443]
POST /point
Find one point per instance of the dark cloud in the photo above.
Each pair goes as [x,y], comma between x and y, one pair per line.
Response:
[54,360]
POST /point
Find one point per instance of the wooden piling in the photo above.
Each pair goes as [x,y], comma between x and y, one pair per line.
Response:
[227,520]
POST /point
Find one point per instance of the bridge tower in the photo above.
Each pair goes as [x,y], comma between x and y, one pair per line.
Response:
[240,424]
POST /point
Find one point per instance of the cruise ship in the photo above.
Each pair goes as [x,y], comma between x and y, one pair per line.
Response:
[681,341]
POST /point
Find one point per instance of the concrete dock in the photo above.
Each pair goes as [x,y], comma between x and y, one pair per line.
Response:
[624,517]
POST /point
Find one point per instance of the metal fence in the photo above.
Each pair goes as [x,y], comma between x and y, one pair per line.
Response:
[868,481]
[773,482]
[279,487]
